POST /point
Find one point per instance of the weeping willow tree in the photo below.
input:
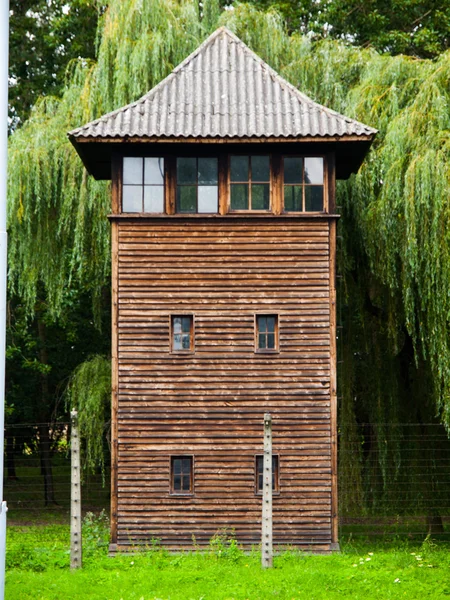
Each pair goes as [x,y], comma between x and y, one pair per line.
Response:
[394,254]
[89,392]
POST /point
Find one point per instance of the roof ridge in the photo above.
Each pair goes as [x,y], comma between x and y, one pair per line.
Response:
[306,104]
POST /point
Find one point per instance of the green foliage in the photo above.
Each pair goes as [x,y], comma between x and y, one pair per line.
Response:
[44,36]
[377,571]
[414,27]
[89,392]
[223,545]
[95,532]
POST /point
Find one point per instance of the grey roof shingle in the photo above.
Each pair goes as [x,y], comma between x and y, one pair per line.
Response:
[223,89]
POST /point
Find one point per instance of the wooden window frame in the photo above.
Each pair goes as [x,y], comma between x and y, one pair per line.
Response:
[275,350]
[276,184]
[143,185]
[249,182]
[197,185]
[276,490]
[325,210]
[191,333]
[172,490]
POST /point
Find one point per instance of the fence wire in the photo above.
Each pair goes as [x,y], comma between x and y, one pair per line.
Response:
[399,487]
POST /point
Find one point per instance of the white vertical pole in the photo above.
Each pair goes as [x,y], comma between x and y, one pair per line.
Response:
[75,496]
[267,542]
[4,56]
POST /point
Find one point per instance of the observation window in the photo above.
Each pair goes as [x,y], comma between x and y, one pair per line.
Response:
[249,183]
[143,184]
[303,184]
[197,185]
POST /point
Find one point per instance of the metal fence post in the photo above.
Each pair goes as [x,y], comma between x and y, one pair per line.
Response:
[75,496]
[267,538]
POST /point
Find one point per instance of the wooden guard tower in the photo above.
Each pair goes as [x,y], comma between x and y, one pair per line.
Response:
[223,290]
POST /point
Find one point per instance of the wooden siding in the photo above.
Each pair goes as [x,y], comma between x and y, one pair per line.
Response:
[211,404]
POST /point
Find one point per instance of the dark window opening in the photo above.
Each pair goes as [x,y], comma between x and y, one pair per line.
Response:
[197,185]
[259,484]
[250,182]
[303,184]
[182,479]
[266,333]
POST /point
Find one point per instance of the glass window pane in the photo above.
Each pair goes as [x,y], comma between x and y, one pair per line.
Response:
[314,198]
[239,197]
[239,168]
[154,198]
[132,198]
[186,170]
[186,465]
[314,170]
[260,168]
[262,324]
[177,483]
[187,198]
[186,483]
[177,325]
[208,199]
[270,324]
[260,196]
[262,342]
[207,171]
[271,340]
[293,198]
[186,324]
[177,466]
[177,343]
[293,170]
[154,171]
[132,170]
[186,341]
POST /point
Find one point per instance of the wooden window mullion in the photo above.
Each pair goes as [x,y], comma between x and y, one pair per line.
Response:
[223,184]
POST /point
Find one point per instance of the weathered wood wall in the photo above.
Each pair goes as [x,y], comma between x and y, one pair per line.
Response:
[211,404]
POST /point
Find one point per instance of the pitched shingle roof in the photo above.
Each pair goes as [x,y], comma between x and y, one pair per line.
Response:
[223,90]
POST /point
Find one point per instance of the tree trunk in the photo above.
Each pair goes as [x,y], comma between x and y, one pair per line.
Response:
[434,524]
[10,456]
[46,464]
[43,427]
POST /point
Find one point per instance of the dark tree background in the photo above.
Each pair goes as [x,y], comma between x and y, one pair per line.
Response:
[44,37]
[415,27]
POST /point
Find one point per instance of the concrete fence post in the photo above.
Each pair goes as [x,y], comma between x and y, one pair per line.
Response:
[75,496]
[267,538]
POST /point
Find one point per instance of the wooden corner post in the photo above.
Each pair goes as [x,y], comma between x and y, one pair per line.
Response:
[75,496]
[267,537]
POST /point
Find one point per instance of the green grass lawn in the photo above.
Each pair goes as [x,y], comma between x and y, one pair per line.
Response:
[38,568]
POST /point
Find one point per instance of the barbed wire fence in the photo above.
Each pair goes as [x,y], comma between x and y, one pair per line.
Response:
[407,494]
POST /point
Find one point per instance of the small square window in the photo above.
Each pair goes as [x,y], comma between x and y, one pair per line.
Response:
[181,475]
[182,333]
[259,474]
[266,333]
